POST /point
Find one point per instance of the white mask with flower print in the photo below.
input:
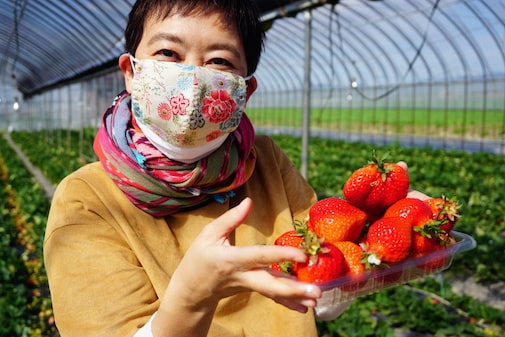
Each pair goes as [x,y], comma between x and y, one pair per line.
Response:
[186,111]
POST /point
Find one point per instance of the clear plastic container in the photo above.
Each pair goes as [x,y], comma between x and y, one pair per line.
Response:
[345,289]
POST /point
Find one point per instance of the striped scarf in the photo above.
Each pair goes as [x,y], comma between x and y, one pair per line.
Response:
[160,186]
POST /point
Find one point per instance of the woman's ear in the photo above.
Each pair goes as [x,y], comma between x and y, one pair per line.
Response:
[252,84]
[126,68]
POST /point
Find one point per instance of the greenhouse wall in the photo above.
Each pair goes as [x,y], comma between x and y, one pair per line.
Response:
[468,115]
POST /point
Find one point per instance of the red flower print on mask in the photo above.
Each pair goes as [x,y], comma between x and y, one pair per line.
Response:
[165,111]
[213,135]
[179,104]
[218,106]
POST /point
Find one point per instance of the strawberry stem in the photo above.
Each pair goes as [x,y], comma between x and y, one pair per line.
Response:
[380,163]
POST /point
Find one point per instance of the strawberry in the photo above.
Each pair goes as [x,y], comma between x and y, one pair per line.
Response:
[446,210]
[440,258]
[423,242]
[334,219]
[437,261]
[292,238]
[386,275]
[427,234]
[353,255]
[411,209]
[388,240]
[283,267]
[376,186]
[325,262]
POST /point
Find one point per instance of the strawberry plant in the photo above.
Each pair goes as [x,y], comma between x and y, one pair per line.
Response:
[25,305]
[54,156]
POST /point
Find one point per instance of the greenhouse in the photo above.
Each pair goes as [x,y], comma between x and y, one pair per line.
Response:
[338,80]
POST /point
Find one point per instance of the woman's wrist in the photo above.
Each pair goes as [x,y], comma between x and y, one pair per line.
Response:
[180,315]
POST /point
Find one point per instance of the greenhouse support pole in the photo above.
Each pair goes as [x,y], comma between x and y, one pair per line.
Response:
[306,103]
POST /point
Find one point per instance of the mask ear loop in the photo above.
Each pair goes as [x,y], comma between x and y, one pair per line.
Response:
[133,60]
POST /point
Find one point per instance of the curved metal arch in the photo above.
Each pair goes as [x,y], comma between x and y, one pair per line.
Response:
[65,24]
[47,33]
[493,34]
[371,59]
[100,25]
[62,36]
[33,45]
[357,43]
[475,44]
[115,12]
[466,70]
[329,42]
[284,33]
[270,72]
[82,38]
[393,40]
[328,45]
[39,38]
[415,45]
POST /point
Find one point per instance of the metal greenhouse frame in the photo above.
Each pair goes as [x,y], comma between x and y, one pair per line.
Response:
[420,73]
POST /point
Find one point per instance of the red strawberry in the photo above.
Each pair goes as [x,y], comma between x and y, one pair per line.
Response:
[446,210]
[385,275]
[283,267]
[334,219]
[426,235]
[423,242]
[353,255]
[376,186]
[440,258]
[411,209]
[292,238]
[325,262]
[388,240]
[437,261]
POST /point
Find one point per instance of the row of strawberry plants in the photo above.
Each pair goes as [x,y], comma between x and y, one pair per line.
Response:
[25,306]
[57,152]
[459,174]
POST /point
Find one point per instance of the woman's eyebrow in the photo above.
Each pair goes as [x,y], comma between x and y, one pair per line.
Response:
[163,37]
[230,47]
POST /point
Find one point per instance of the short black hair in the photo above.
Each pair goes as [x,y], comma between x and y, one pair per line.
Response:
[243,13]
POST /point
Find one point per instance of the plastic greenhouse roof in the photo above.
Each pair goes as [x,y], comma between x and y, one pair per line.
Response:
[44,43]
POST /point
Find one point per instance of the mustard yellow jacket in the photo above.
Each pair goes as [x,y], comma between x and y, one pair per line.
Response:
[108,262]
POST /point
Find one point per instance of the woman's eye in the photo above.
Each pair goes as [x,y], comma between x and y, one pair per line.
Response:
[220,62]
[167,53]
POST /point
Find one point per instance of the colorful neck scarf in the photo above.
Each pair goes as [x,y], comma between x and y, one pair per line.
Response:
[160,186]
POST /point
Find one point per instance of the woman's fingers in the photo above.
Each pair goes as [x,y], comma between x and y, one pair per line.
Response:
[416,194]
[221,228]
[283,289]
[412,193]
[403,165]
[261,256]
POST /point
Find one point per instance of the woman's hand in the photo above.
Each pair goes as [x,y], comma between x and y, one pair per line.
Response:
[213,269]
[413,193]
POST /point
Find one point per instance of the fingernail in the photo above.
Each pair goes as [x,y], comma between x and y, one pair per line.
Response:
[309,303]
[312,290]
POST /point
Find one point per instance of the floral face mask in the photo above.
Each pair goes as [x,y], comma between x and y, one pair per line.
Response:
[186,111]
